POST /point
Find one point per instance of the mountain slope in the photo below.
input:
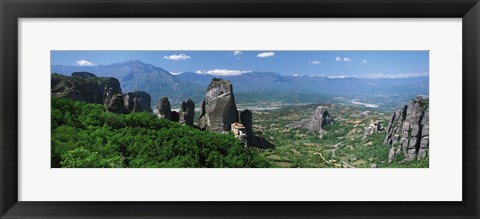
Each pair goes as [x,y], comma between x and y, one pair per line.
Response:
[136,75]
[246,82]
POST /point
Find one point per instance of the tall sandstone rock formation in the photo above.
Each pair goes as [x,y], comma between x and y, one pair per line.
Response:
[218,109]
[246,119]
[408,130]
[137,101]
[187,112]
[164,110]
[116,105]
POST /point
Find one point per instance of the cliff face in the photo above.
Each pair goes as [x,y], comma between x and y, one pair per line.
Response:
[219,110]
[164,110]
[246,118]
[137,101]
[408,131]
[187,112]
[86,87]
[116,105]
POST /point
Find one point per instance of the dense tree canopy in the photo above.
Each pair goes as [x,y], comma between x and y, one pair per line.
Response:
[84,135]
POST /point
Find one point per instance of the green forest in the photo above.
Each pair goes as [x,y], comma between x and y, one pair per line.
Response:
[85,136]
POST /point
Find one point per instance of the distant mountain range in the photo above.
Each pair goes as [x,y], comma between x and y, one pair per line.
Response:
[136,75]
[270,81]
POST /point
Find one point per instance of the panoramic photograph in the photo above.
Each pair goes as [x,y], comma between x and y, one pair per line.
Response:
[239,109]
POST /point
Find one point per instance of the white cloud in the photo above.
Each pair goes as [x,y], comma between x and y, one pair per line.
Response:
[364,61]
[224,72]
[345,59]
[176,73]
[400,75]
[176,57]
[84,63]
[339,76]
[265,54]
[315,62]
[336,76]
[237,54]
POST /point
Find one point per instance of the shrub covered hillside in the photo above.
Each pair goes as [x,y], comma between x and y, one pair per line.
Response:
[84,135]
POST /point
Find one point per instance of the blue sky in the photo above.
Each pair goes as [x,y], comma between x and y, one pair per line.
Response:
[326,63]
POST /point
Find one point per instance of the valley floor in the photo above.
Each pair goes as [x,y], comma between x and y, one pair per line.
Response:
[342,146]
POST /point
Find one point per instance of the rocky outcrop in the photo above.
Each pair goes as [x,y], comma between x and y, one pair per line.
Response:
[219,110]
[137,101]
[218,113]
[374,127]
[246,119]
[407,131]
[116,105]
[187,112]
[319,119]
[164,111]
[84,74]
[85,87]
[110,87]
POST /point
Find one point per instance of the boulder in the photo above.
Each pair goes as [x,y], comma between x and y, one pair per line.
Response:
[187,112]
[219,110]
[164,111]
[407,131]
[116,105]
[137,101]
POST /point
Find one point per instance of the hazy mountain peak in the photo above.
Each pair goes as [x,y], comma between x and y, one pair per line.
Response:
[133,63]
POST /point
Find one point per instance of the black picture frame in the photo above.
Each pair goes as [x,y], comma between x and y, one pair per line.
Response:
[12,10]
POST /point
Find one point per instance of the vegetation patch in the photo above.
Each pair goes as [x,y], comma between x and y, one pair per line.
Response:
[85,136]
